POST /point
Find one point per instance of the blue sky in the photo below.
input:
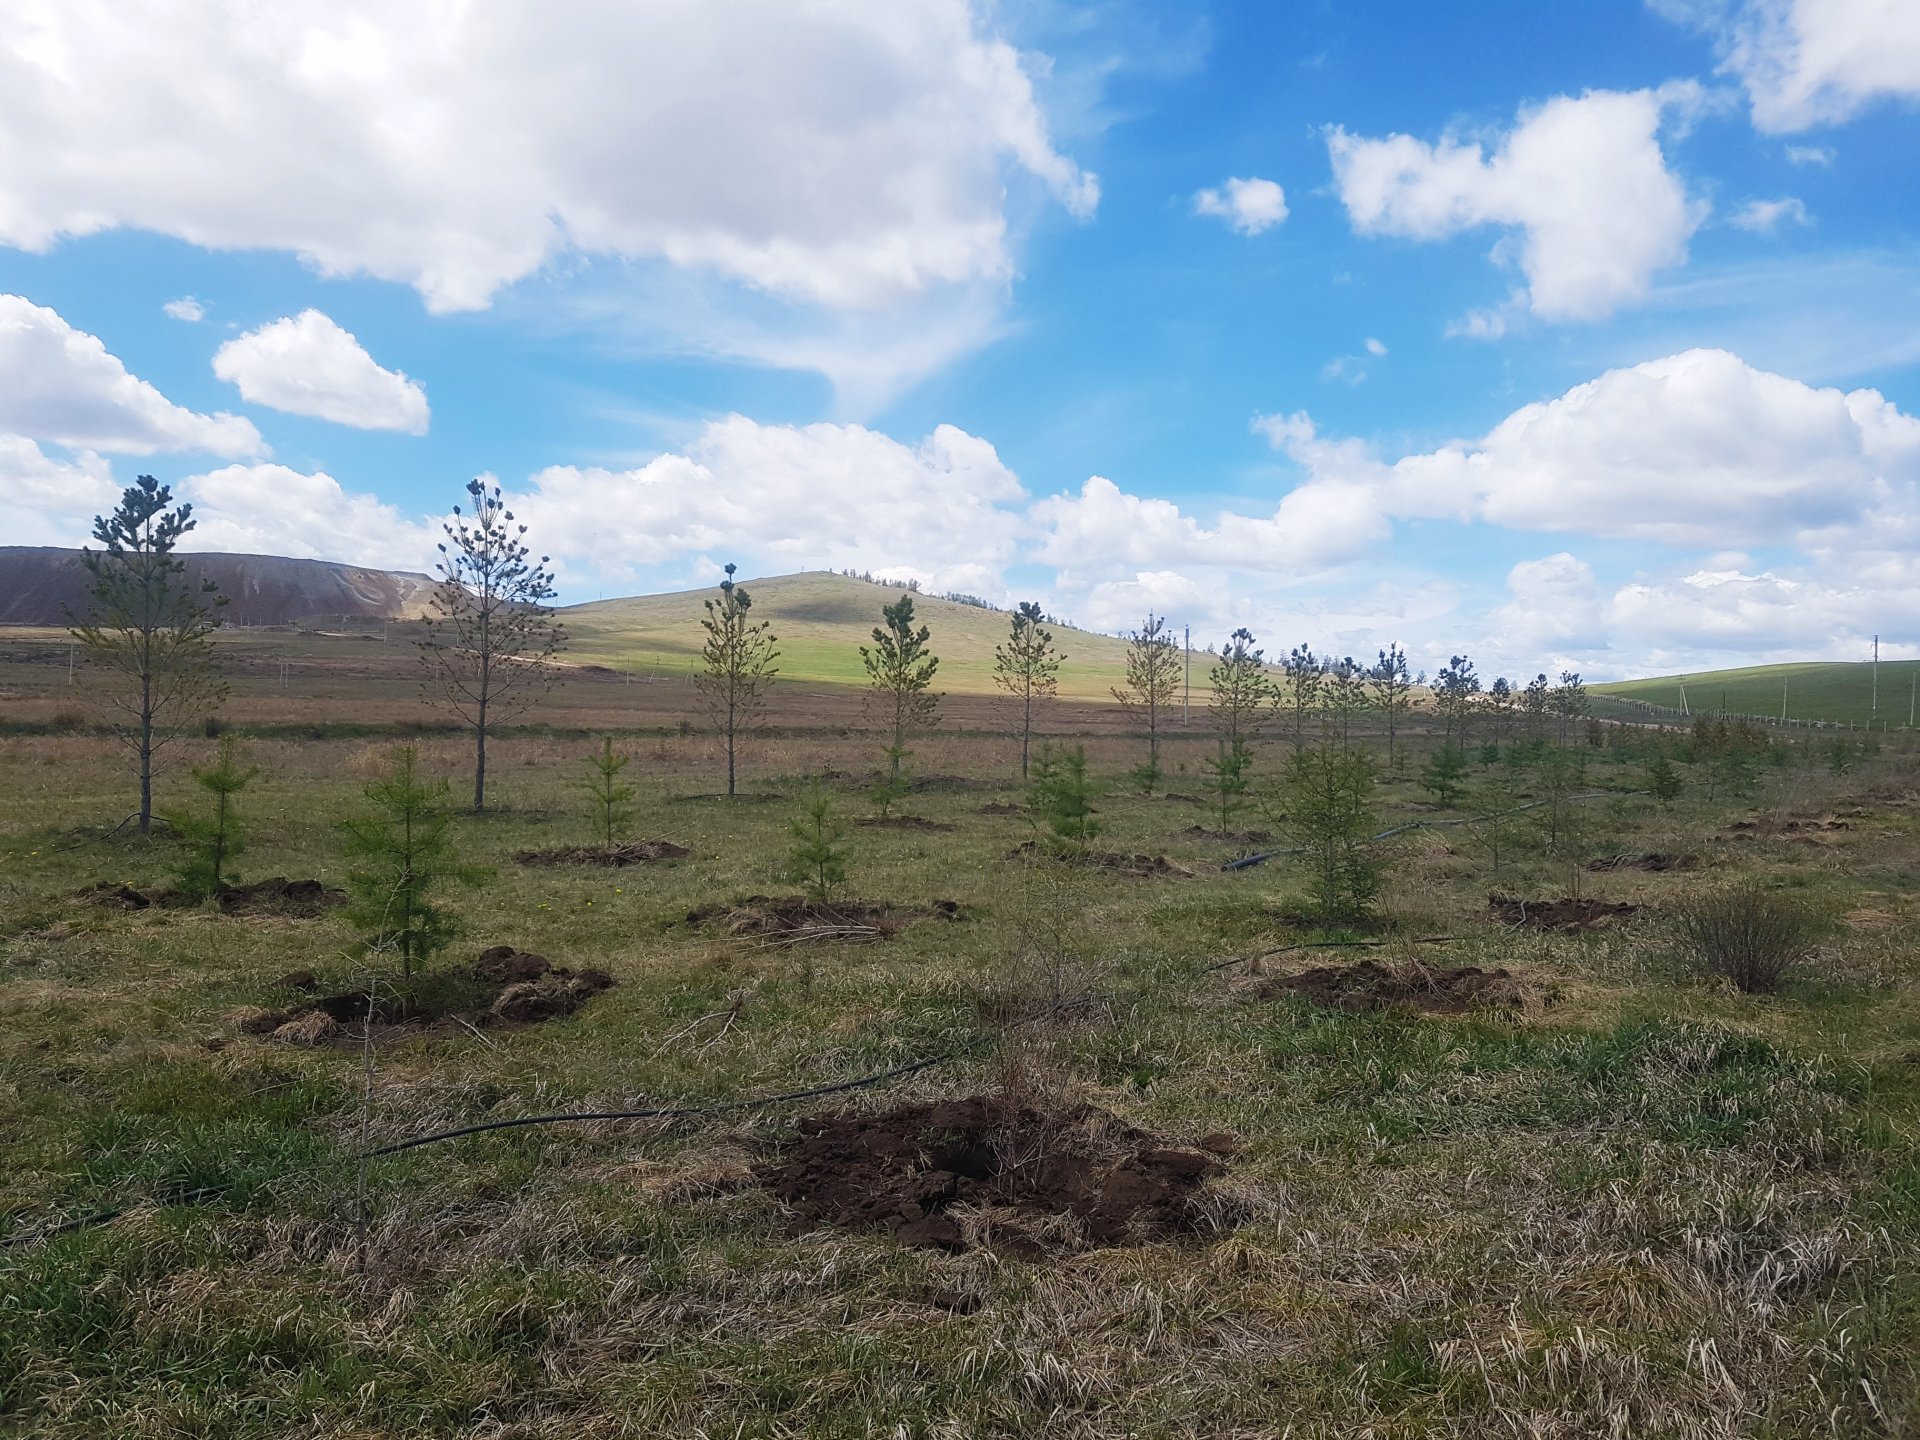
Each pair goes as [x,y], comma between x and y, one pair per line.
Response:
[1575,335]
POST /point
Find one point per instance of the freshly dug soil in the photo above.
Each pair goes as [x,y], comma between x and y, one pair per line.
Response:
[901,822]
[504,986]
[987,1173]
[628,852]
[1002,807]
[1808,829]
[1143,867]
[1565,913]
[303,899]
[1373,985]
[792,918]
[1229,837]
[1654,861]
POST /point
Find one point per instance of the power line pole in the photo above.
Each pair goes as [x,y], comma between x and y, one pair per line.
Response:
[1873,708]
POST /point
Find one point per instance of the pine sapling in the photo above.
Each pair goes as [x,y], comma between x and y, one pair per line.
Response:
[403,849]
[612,800]
[817,859]
[215,839]
[1228,778]
[1664,782]
[1060,797]
[1444,774]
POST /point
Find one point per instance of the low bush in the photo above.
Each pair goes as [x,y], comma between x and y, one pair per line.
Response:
[1751,934]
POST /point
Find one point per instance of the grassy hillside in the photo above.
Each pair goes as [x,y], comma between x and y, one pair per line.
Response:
[1833,692]
[822,620]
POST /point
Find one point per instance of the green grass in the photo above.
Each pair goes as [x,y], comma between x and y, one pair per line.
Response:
[821,620]
[1833,693]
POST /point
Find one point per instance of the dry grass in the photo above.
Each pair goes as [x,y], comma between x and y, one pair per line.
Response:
[1651,1207]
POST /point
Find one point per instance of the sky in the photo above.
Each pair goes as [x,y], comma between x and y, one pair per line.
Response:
[1582,335]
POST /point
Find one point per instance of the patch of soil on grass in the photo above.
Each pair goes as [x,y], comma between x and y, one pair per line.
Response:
[109,895]
[627,852]
[1807,829]
[1186,799]
[901,822]
[1376,985]
[1141,867]
[504,986]
[987,1173]
[1566,913]
[1002,807]
[789,919]
[1654,862]
[303,899]
[1229,837]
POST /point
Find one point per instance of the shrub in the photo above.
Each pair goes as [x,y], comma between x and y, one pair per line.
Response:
[214,840]
[1751,934]
[1061,797]
[817,859]
[1330,811]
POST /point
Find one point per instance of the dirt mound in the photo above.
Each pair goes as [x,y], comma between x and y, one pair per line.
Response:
[280,896]
[901,822]
[627,852]
[1566,913]
[1373,985]
[1229,837]
[1142,867]
[1807,829]
[111,895]
[1653,861]
[1002,807]
[504,986]
[985,1173]
[788,919]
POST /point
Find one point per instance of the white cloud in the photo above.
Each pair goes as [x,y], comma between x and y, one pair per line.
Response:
[1812,62]
[308,365]
[274,510]
[60,384]
[1583,181]
[1248,206]
[1821,155]
[43,501]
[786,497]
[1552,616]
[1763,217]
[1375,348]
[185,308]
[842,152]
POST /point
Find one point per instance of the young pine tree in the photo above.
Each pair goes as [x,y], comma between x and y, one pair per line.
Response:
[1330,811]
[1153,679]
[611,798]
[900,668]
[1027,666]
[149,625]
[817,860]
[1444,774]
[1060,797]
[739,654]
[1303,680]
[214,840]
[1392,686]
[1242,702]
[1663,781]
[491,638]
[401,851]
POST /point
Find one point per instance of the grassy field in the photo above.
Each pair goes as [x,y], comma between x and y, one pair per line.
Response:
[1614,1198]
[1834,693]
[821,620]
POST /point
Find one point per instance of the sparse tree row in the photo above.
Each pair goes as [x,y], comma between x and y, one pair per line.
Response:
[491,642]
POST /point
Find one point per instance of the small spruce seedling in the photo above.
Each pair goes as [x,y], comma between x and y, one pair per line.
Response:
[214,839]
[612,799]
[817,860]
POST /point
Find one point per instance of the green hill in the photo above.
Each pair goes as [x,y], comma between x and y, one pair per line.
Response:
[821,620]
[1830,692]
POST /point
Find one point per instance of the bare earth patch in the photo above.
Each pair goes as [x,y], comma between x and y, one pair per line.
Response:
[300,899]
[504,986]
[1806,829]
[1141,867]
[1653,861]
[989,1173]
[628,852]
[792,918]
[1376,985]
[901,822]
[1566,913]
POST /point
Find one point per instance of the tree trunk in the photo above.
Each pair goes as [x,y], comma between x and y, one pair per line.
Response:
[480,760]
[146,753]
[1026,733]
[730,732]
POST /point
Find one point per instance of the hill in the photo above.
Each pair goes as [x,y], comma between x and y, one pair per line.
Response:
[38,584]
[1831,692]
[822,619]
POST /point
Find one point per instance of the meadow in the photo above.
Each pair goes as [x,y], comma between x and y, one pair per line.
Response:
[1597,1194]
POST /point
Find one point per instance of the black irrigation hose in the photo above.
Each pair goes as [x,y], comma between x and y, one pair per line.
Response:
[1247,862]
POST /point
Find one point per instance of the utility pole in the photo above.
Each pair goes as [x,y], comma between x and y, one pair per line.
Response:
[1873,707]
[1683,699]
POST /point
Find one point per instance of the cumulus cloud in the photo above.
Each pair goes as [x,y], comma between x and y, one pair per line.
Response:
[943,511]
[308,365]
[185,308]
[60,385]
[1248,206]
[1763,217]
[43,500]
[846,153]
[1582,180]
[275,510]
[1821,155]
[1811,62]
